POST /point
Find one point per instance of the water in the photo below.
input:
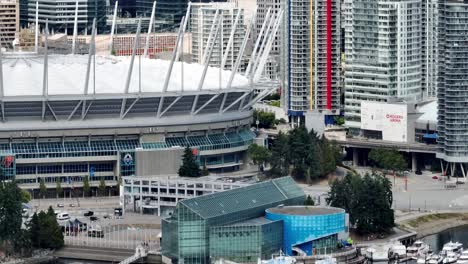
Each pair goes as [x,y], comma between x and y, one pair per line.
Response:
[457,234]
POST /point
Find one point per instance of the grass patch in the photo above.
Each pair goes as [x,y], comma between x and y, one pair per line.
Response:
[434,217]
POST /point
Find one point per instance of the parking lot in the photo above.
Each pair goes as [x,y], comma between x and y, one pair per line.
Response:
[126,232]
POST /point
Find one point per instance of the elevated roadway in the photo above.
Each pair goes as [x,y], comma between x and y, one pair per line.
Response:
[414,147]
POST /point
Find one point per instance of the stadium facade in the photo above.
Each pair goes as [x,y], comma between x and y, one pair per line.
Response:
[60,128]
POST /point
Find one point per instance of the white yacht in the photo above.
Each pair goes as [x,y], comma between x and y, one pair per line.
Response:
[451,257]
[463,257]
[418,248]
[423,259]
[435,259]
[454,247]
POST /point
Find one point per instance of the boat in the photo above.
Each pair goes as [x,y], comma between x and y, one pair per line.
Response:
[397,251]
[454,247]
[435,259]
[463,259]
[423,259]
[451,257]
[378,253]
[419,248]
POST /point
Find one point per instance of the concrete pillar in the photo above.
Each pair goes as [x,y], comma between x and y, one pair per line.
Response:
[355,157]
[414,162]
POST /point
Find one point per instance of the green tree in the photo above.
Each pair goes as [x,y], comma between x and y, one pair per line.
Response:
[279,159]
[86,187]
[265,119]
[309,201]
[339,120]
[34,227]
[205,171]
[367,199]
[58,188]
[10,215]
[388,159]
[42,188]
[102,187]
[25,196]
[49,233]
[259,154]
[189,167]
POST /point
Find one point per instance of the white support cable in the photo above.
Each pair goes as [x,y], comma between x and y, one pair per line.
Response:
[231,39]
[266,52]
[257,43]
[36,33]
[114,19]
[150,28]
[2,93]
[75,29]
[210,37]
[91,52]
[242,51]
[187,15]
[130,68]
[46,61]
[174,54]
[207,62]
[262,48]
[132,59]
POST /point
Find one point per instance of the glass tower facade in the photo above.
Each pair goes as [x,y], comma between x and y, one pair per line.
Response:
[452,86]
[225,224]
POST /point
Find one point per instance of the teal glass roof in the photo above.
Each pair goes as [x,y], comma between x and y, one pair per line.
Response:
[253,196]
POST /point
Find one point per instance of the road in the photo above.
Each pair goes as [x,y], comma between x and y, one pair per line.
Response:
[91,253]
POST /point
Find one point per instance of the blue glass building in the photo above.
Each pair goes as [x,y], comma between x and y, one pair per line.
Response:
[313,230]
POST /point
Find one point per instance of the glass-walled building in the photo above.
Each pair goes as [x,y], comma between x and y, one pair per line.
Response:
[229,225]
[310,229]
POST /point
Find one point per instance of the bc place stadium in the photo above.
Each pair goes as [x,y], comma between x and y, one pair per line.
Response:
[67,117]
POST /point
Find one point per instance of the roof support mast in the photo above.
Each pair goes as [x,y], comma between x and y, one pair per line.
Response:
[242,51]
[231,39]
[264,38]
[210,48]
[91,56]
[210,37]
[36,33]
[114,19]
[257,43]
[75,29]
[260,64]
[171,65]
[150,28]
[45,72]
[2,93]
[130,68]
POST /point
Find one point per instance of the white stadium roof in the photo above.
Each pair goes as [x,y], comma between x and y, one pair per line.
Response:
[23,75]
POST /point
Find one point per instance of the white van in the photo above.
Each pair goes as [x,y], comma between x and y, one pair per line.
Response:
[63,216]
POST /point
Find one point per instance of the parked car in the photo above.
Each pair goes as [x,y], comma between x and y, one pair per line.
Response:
[95,232]
[63,216]
[72,205]
[60,205]
[88,213]
[93,218]
[435,177]
[106,216]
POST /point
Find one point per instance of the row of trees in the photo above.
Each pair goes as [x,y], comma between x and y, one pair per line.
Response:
[42,231]
[388,159]
[368,200]
[86,188]
[300,153]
